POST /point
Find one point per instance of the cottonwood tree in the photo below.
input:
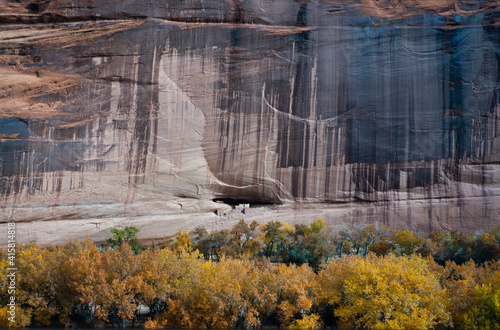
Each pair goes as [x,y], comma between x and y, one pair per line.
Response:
[383,292]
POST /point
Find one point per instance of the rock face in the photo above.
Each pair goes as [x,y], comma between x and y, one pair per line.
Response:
[154,113]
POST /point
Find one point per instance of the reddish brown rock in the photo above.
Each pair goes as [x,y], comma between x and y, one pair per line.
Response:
[143,114]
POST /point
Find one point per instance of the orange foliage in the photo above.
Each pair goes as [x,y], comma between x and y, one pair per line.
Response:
[80,285]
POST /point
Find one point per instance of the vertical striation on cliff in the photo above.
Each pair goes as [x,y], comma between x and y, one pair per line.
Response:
[131,110]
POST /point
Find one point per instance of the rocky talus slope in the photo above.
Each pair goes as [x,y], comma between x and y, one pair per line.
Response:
[163,114]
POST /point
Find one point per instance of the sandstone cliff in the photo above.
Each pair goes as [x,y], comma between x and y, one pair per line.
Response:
[161,114]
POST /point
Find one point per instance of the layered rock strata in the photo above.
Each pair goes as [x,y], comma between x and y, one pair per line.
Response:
[162,114]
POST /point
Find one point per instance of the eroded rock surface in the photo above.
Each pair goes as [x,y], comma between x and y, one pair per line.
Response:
[142,113]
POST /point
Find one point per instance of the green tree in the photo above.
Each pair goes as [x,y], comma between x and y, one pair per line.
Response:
[276,239]
[485,248]
[129,235]
[312,245]
[318,226]
[452,246]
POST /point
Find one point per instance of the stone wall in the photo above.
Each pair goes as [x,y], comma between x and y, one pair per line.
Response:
[142,113]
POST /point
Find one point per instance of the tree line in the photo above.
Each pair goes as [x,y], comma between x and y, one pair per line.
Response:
[316,244]
[276,274]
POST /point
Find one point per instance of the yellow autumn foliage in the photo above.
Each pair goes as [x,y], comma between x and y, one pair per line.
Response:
[80,285]
[385,292]
[21,318]
[206,294]
[311,322]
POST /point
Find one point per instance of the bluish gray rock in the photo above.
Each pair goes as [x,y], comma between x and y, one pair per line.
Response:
[354,111]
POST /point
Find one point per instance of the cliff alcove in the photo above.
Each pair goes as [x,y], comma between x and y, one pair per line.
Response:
[143,112]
